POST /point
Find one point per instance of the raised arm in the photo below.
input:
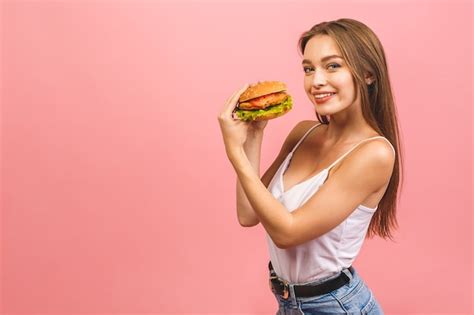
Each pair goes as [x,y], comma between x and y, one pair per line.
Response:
[245,213]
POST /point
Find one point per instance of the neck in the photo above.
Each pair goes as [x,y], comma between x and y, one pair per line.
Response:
[344,129]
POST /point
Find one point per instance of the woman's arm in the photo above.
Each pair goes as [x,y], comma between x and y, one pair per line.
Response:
[245,212]
[271,213]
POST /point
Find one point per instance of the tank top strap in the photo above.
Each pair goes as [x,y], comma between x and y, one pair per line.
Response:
[340,158]
[303,137]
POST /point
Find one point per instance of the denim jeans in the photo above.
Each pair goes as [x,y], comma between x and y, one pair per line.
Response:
[354,297]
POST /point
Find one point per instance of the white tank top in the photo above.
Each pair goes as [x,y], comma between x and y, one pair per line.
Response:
[328,254]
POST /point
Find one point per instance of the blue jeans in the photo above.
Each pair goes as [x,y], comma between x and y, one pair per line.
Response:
[352,298]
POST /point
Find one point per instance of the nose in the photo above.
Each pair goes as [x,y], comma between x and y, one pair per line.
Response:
[319,78]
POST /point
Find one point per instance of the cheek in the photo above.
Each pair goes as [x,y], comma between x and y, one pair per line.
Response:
[345,85]
[307,85]
[343,80]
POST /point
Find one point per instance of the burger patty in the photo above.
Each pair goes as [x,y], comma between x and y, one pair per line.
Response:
[264,101]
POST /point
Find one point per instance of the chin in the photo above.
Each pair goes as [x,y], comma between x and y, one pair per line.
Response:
[321,111]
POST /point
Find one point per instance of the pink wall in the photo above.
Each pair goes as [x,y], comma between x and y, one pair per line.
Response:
[117,196]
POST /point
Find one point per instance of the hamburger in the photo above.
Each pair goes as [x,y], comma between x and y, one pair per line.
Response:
[263,101]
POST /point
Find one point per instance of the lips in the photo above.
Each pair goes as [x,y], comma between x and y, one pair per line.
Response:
[324,99]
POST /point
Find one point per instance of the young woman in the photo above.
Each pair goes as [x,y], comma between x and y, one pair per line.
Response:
[334,182]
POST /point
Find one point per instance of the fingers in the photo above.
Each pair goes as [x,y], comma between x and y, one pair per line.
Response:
[232,101]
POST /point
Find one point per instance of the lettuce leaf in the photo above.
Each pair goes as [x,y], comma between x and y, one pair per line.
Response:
[248,115]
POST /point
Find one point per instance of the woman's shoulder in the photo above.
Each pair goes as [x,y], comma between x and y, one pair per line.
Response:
[308,123]
[303,126]
[297,132]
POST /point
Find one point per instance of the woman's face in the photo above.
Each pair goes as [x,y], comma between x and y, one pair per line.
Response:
[324,74]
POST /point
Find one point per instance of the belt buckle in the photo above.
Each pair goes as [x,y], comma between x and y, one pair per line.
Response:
[286,291]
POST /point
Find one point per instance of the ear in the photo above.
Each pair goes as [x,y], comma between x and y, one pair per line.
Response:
[369,78]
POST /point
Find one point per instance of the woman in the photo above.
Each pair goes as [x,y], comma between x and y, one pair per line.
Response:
[334,182]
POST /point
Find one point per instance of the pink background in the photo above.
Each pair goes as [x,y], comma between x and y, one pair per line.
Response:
[117,196]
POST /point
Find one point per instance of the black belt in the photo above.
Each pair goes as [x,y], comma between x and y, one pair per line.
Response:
[280,286]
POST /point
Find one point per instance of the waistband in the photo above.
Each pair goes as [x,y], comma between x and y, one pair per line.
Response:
[281,286]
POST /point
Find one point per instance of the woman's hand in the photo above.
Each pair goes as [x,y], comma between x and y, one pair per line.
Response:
[235,131]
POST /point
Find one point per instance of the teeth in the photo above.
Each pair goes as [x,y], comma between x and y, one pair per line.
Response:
[324,95]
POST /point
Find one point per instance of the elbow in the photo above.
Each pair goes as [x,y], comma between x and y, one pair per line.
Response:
[248,223]
[282,244]
[292,240]
[284,240]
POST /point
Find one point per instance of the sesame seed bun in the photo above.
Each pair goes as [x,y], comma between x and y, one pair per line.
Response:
[262,88]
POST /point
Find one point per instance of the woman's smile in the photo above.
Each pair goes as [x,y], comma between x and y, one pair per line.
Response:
[322,98]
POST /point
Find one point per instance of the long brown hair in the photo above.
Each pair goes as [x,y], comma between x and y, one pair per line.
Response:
[363,53]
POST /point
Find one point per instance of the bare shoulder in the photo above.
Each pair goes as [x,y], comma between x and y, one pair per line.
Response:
[375,155]
[299,130]
[295,134]
[381,150]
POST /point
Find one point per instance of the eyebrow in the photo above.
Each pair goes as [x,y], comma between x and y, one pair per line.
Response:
[323,59]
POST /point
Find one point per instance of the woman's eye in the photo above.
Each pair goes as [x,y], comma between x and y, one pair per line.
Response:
[333,65]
